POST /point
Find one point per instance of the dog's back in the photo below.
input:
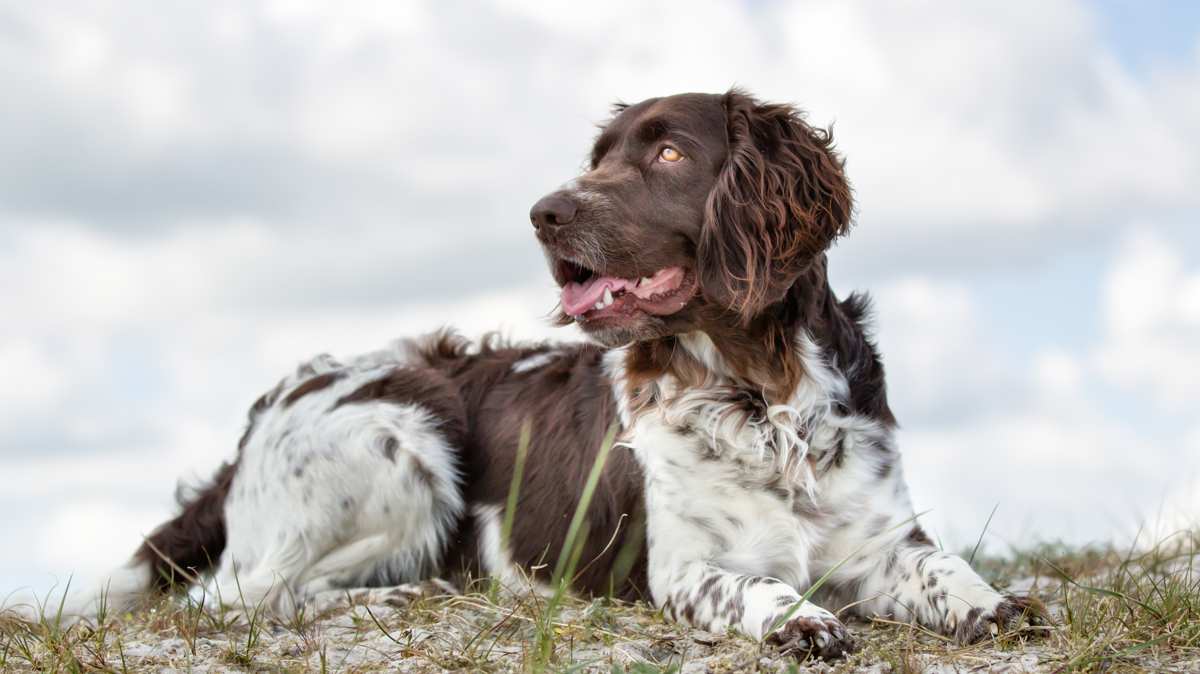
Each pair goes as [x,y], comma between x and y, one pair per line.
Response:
[394,468]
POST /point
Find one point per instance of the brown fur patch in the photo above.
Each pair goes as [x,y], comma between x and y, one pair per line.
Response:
[194,539]
[569,404]
[918,537]
[422,386]
[311,385]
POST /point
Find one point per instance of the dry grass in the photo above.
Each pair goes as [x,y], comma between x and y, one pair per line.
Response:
[1117,612]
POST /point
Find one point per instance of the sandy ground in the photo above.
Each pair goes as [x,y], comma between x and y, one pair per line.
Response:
[472,633]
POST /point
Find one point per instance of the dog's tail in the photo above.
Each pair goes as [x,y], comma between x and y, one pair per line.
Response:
[187,546]
[177,554]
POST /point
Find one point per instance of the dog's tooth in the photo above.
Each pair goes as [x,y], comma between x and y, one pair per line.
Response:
[608,298]
[645,280]
[599,305]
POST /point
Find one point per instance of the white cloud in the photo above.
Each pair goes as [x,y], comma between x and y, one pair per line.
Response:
[1058,465]
[31,378]
[940,362]
[962,122]
[1039,435]
[1058,373]
[97,535]
[1056,474]
[1152,317]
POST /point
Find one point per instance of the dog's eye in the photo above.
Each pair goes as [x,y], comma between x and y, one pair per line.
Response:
[669,154]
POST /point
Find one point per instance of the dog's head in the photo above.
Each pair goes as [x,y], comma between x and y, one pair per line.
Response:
[697,208]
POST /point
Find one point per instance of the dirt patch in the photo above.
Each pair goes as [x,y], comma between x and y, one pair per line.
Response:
[473,633]
[1115,612]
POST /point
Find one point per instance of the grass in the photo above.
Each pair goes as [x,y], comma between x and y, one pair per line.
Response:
[568,559]
[1132,610]
[1147,605]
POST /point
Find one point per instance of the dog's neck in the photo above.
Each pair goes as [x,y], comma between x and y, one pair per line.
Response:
[762,356]
[768,356]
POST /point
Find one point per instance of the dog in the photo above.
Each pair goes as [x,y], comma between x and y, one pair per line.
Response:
[754,449]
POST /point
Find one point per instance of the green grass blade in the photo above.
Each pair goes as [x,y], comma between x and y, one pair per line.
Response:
[975,550]
[585,500]
[787,615]
[514,489]
[1103,591]
[568,557]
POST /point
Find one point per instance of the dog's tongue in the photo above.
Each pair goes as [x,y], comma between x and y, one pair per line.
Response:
[580,298]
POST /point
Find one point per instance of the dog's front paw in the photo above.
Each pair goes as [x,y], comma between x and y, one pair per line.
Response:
[1010,615]
[803,637]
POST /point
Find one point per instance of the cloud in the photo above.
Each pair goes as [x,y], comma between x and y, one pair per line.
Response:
[186,213]
[97,535]
[1152,318]
[372,118]
[1057,463]
[1183,504]
[31,378]
[941,364]
[1052,478]
[1059,440]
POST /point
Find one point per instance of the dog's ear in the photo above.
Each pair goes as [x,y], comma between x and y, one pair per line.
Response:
[779,202]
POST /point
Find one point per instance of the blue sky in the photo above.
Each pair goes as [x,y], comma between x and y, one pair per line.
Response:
[1151,33]
[189,208]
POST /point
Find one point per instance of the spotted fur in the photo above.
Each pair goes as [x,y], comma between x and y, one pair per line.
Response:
[756,446]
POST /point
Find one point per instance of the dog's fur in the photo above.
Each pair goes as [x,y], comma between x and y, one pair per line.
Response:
[755,449]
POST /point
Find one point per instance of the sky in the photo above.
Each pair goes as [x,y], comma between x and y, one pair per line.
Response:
[196,196]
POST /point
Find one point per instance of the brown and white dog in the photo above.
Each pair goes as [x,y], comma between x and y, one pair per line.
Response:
[755,447]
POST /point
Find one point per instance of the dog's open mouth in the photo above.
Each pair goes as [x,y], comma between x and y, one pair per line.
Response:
[588,295]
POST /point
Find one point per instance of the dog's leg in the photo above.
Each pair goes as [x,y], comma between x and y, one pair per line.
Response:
[349,483]
[890,568]
[915,581]
[724,551]
[706,596]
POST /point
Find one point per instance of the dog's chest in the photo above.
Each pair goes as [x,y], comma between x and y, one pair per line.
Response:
[760,486]
[720,447]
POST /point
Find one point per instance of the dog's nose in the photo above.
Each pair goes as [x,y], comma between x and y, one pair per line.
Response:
[553,210]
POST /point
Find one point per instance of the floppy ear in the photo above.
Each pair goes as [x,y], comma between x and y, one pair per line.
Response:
[779,202]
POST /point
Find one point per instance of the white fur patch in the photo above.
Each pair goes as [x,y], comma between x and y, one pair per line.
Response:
[329,496]
[534,362]
[495,557]
[614,368]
